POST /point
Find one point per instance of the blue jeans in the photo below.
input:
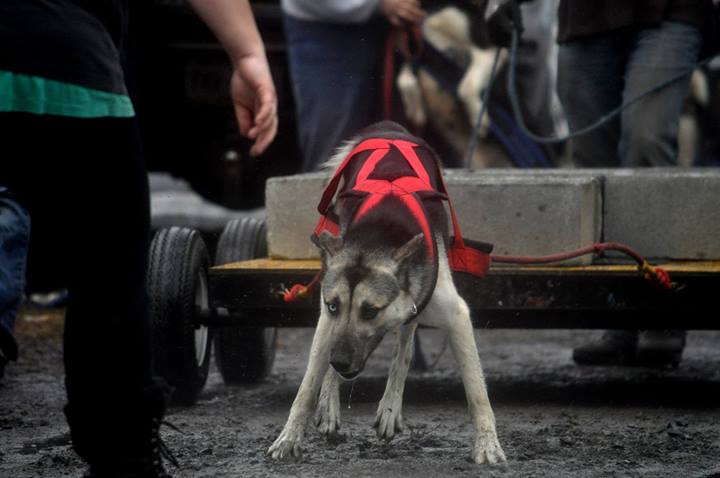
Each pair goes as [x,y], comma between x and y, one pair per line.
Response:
[336,72]
[14,237]
[597,73]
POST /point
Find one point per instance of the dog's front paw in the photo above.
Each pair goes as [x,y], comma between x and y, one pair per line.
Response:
[286,446]
[487,449]
[388,421]
[327,418]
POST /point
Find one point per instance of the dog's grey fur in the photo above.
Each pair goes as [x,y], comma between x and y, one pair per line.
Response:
[374,276]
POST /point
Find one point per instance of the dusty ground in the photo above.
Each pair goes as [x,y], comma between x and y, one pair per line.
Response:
[554,419]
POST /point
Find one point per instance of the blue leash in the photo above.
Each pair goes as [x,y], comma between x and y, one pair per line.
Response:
[515,103]
[517,114]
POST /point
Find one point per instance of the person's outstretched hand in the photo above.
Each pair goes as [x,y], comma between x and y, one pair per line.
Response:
[251,87]
[401,13]
[255,102]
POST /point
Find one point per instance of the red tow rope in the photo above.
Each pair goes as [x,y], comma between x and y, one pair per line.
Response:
[300,291]
[655,275]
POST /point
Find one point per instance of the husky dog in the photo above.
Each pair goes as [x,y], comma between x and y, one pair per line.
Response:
[443,88]
[387,259]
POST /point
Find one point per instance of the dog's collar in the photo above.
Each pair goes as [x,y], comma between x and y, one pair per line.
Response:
[414,312]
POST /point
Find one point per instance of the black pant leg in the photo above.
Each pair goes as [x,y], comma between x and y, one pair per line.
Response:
[84,183]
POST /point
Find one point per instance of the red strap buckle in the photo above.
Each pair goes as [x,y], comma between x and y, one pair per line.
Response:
[466,259]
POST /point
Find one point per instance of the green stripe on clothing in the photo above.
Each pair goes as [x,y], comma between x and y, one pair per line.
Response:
[32,94]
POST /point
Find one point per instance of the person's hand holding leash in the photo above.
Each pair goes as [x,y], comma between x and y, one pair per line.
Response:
[401,13]
[251,87]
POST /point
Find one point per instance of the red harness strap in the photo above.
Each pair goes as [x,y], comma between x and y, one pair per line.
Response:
[461,257]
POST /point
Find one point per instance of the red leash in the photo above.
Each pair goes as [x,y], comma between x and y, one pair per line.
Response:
[300,291]
[409,42]
[655,275]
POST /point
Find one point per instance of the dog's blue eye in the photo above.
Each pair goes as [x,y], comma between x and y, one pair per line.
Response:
[332,307]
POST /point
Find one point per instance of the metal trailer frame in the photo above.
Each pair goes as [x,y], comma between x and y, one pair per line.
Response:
[237,306]
[563,297]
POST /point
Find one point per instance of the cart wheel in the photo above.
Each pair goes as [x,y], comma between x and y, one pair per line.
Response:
[177,284]
[243,354]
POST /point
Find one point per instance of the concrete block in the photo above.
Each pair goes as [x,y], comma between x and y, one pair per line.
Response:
[662,212]
[521,214]
[526,214]
[665,212]
[291,204]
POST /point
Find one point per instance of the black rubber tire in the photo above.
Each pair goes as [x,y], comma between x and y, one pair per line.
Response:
[243,354]
[177,277]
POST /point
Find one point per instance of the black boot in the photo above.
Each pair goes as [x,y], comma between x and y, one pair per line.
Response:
[661,348]
[126,443]
[615,347]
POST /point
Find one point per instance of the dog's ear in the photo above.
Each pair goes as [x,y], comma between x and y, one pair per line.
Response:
[403,255]
[329,243]
[408,249]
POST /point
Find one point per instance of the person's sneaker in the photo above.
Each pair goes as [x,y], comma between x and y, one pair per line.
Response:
[660,348]
[615,347]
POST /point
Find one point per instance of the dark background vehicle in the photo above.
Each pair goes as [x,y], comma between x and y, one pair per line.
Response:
[179,79]
[178,76]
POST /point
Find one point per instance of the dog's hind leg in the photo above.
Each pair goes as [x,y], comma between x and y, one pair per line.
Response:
[462,341]
[449,311]
[327,416]
[288,443]
[388,420]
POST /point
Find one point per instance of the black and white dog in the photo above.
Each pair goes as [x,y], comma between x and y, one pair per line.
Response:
[442,88]
[387,257]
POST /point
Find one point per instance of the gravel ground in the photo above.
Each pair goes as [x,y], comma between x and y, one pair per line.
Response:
[553,418]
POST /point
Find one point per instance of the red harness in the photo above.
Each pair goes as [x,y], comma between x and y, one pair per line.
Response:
[410,189]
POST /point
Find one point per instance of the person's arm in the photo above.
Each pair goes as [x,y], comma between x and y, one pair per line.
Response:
[251,87]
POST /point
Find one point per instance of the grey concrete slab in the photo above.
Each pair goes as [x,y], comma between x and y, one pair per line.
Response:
[291,203]
[528,214]
[665,212]
[662,212]
[520,214]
